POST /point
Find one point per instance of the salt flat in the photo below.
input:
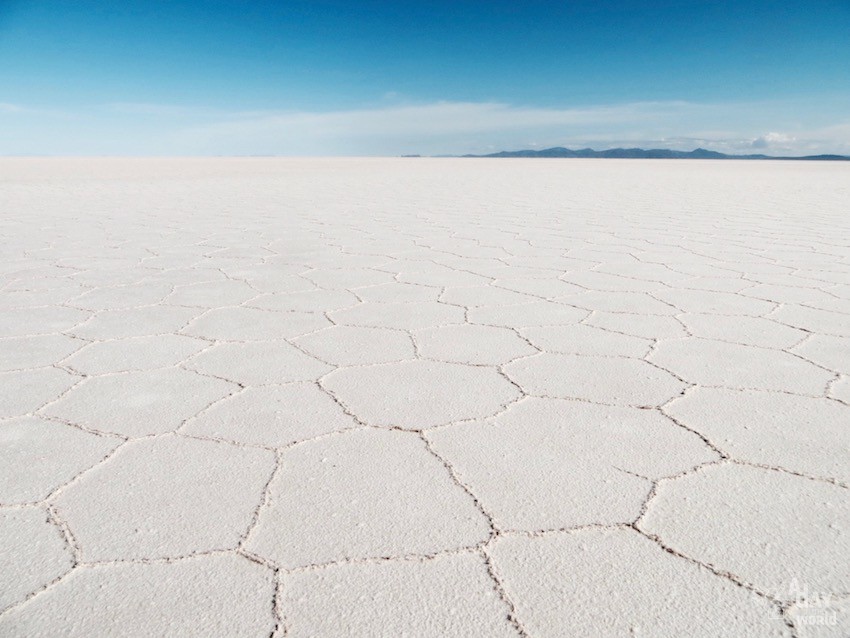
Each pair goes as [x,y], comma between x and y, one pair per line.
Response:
[424,397]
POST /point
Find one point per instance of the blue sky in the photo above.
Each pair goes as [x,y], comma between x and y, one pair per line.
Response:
[327,77]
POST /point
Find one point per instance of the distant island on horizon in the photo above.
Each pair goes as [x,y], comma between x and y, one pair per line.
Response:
[653,153]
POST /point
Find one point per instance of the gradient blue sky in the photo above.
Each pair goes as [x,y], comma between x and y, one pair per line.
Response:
[326,77]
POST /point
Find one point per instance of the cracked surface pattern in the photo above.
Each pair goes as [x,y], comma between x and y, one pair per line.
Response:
[383,397]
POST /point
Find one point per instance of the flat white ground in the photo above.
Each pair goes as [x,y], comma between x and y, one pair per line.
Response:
[424,397]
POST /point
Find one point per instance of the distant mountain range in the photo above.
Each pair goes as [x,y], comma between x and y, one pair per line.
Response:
[652,153]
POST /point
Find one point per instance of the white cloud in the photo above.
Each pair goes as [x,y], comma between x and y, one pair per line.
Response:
[432,128]
[159,110]
[449,127]
[773,140]
[479,127]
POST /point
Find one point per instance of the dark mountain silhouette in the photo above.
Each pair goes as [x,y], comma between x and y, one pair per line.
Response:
[652,153]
